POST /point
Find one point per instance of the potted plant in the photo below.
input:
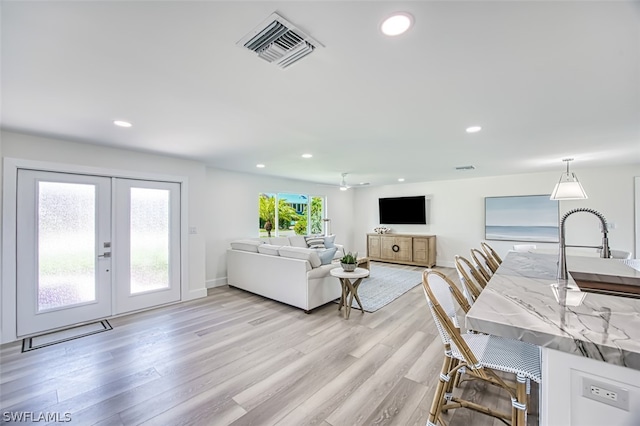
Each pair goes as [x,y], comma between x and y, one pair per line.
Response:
[349,262]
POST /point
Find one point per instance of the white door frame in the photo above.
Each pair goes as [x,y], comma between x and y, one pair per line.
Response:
[8,328]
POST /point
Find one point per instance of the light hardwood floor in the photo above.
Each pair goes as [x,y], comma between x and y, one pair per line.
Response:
[240,359]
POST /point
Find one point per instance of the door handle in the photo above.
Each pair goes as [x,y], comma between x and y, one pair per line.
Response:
[107,254]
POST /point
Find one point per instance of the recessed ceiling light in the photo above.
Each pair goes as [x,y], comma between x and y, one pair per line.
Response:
[121,123]
[260,166]
[307,155]
[396,24]
[401,180]
[473,129]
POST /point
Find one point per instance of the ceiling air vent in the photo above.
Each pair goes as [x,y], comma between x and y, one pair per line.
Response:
[279,42]
[465,168]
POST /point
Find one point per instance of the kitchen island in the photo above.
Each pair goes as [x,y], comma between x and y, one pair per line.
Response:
[585,337]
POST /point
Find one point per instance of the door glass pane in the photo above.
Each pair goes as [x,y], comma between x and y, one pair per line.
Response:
[66,244]
[149,239]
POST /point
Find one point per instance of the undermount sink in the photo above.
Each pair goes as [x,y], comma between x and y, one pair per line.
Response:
[607,284]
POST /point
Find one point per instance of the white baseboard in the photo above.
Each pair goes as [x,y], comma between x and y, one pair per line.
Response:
[196,294]
[217,282]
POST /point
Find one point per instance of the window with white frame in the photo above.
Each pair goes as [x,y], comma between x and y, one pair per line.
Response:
[299,214]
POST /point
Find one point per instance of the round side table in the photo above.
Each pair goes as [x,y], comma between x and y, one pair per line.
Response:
[349,287]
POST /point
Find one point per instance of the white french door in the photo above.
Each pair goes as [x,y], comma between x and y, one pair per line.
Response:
[147,244]
[63,234]
[89,247]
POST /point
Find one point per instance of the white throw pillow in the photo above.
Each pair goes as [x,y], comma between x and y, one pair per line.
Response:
[298,241]
[329,241]
[247,245]
[269,249]
[310,255]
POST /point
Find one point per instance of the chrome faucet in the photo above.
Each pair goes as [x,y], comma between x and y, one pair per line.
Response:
[562,255]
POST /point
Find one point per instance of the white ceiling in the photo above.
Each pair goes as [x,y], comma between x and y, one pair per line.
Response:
[545,80]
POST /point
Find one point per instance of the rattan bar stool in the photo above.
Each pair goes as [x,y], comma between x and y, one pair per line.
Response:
[492,255]
[451,310]
[482,263]
[472,280]
[479,354]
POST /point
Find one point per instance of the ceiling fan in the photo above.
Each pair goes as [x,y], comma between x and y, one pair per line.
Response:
[344,186]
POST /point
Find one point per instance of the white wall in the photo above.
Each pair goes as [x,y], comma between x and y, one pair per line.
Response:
[27,147]
[232,212]
[637,199]
[457,209]
[1,239]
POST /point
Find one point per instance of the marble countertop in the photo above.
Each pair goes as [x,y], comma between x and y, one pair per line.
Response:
[524,301]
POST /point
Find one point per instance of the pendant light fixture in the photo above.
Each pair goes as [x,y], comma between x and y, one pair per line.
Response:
[569,187]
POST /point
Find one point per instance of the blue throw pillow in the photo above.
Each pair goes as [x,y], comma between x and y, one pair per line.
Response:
[329,241]
[326,256]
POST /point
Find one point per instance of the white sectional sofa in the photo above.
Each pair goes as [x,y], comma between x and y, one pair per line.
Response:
[285,269]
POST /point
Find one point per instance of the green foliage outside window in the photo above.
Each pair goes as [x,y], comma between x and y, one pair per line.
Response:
[316,218]
[267,213]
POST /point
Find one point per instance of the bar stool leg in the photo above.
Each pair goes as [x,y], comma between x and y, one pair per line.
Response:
[520,403]
[438,397]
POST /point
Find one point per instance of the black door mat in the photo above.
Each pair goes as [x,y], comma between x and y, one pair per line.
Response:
[44,340]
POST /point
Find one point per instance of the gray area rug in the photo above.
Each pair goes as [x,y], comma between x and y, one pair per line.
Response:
[384,285]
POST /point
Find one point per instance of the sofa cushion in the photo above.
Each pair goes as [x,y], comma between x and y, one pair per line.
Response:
[315,241]
[279,241]
[310,255]
[326,255]
[329,241]
[269,249]
[246,245]
[298,241]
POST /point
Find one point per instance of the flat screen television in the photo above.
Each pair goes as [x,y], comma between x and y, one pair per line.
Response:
[403,210]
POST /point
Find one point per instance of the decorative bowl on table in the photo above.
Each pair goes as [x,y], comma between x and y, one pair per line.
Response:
[381,230]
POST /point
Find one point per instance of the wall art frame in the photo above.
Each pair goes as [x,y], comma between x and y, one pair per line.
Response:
[526,218]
